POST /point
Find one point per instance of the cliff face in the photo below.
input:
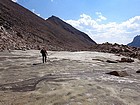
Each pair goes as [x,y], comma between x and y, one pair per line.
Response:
[20,28]
[135,42]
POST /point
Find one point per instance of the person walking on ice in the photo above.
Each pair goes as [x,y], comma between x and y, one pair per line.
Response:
[44,54]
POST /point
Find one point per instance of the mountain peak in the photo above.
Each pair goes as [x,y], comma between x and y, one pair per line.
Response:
[52,17]
[69,28]
[32,31]
[135,42]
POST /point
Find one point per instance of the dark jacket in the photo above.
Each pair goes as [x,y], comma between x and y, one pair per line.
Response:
[43,52]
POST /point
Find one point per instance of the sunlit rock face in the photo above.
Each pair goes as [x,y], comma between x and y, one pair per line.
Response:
[67,78]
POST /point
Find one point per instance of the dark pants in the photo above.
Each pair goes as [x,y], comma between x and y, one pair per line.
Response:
[44,58]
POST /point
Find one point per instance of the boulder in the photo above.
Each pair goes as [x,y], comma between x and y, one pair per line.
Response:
[128,60]
[118,73]
[138,71]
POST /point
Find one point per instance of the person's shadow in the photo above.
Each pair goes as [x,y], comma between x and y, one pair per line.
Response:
[36,63]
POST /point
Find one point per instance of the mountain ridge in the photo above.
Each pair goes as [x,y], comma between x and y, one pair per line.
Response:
[31,31]
[135,42]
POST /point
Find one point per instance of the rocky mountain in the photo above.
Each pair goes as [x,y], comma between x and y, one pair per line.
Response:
[135,42]
[70,36]
[22,29]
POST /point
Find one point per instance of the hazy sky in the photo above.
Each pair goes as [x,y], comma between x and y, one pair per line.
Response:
[114,21]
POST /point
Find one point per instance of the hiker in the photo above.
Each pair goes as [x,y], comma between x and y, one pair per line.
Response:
[44,56]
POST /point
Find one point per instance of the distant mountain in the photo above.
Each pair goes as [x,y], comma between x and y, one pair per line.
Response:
[135,42]
[20,28]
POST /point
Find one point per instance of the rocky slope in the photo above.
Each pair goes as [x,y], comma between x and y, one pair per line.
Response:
[125,50]
[135,42]
[20,28]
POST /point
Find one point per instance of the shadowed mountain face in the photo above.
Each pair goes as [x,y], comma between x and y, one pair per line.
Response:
[68,34]
[135,42]
[20,28]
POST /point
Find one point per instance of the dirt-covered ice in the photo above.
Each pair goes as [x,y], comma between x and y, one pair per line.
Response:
[68,78]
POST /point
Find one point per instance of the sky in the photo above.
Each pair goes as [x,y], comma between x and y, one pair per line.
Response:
[113,21]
